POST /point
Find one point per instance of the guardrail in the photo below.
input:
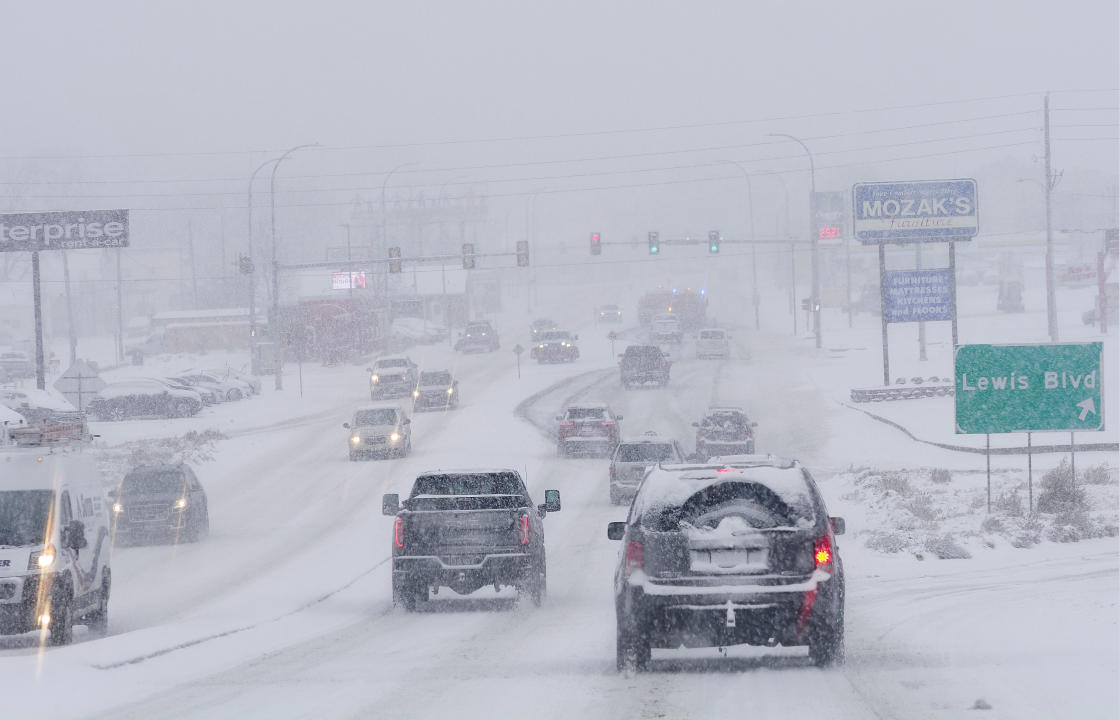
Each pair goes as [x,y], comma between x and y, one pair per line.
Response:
[920,388]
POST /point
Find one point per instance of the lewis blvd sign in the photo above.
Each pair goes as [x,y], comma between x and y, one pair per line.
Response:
[1029,388]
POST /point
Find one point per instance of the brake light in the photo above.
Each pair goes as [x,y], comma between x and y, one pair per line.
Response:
[567,423]
[635,557]
[613,472]
[398,532]
[524,529]
[823,554]
[607,422]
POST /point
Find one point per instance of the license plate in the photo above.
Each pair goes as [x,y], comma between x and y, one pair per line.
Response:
[730,559]
[588,431]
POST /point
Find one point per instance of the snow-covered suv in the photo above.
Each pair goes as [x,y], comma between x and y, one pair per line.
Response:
[392,377]
[633,457]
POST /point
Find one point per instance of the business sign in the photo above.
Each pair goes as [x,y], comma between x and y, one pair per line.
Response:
[918,295]
[830,212]
[347,280]
[77,230]
[1029,388]
[925,211]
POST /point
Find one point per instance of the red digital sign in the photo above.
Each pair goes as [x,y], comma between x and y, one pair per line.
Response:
[831,232]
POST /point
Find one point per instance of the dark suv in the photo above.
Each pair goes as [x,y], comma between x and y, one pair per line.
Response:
[642,364]
[719,555]
[160,500]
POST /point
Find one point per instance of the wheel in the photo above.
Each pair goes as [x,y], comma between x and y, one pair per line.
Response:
[116,413]
[234,394]
[372,396]
[353,456]
[62,620]
[535,585]
[825,644]
[561,450]
[632,650]
[98,621]
[409,594]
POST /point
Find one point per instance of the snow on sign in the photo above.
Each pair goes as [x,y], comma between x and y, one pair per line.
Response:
[924,211]
[72,230]
[1029,388]
[918,295]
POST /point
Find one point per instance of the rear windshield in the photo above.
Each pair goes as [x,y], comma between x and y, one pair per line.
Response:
[153,481]
[24,515]
[773,499]
[730,420]
[645,452]
[477,328]
[711,335]
[394,362]
[586,414]
[552,335]
[499,483]
[643,352]
[435,378]
[377,416]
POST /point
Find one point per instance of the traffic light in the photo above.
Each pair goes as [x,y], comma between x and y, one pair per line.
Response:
[245,265]
[395,263]
[522,253]
[713,239]
[596,244]
[467,256]
[654,243]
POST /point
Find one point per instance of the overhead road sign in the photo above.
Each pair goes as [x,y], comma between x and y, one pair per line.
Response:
[71,230]
[1029,388]
[923,211]
[918,295]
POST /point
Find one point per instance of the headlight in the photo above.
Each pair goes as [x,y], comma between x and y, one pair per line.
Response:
[45,558]
[541,346]
[415,393]
[181,503]
[395,437]
[375,378]
[118,508]
[356,439]
[450,391]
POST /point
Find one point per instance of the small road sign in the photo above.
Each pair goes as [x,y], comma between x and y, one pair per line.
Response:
[1029,388]
[79,384]
[611,336]
[925,211]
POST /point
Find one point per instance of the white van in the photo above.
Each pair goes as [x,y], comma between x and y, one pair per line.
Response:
[712,343]
[55,544]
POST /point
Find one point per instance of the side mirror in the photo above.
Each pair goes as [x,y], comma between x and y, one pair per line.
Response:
[75,535]
[754,424]
[838,526]
[346,425]
[390,504]
[552,501]
[616,530]
[407,421]
[618,417]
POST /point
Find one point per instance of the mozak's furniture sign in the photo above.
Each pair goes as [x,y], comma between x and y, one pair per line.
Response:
[70,230]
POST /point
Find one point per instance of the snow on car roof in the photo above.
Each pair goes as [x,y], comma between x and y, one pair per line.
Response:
[393,360]
[672,485]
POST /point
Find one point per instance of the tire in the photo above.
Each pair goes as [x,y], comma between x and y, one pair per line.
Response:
[535,584]
[234,394]
[826,644]
[98,621]
[411,595]
[561,450]
[632,650]
[62,620]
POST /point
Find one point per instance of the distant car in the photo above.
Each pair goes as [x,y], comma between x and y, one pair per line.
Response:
[143,397]
[210,395]
[724,431]
[478,337]
[556,346]
[642,364]
[712,343]
[667,328]
[161,501]
[203,382]
[714,556]
[16,364]
[383,431]
[392,376]
[587,430]
[436,390]
[540,326]
[608,314]
[250,382]
[633,457]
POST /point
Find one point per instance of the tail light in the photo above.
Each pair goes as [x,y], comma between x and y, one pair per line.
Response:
[567,424]
[607,422]
[524,529]
[398,532]
[822,553]
[613,472]
[635,557]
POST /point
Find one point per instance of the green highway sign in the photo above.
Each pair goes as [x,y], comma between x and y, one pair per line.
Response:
[1029,388]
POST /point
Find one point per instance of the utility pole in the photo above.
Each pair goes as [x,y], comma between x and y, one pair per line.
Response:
[1050,290]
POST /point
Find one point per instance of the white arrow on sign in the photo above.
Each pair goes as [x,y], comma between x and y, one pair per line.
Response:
[1086,406]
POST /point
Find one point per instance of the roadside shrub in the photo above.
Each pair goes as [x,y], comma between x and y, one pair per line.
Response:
[1009,504]
[1060,492]
[922,508]
[991,524]
[945,547]
[887,542]
[896,482]
[940,476]
[1097,475]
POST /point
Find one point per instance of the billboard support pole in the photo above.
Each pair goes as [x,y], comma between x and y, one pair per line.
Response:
[1030,469]
[988,473]
[885,318]
[40,374]
[952,274]
[922,352]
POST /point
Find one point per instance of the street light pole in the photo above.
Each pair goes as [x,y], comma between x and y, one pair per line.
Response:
[273,322]
[753,244]
[254,368]
[384,218]
[1050,289]
[814,235]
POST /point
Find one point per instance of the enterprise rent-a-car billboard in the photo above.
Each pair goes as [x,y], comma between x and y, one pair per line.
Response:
[71,230]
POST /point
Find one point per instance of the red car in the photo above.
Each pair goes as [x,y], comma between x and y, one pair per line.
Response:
[587,430]
[556,346]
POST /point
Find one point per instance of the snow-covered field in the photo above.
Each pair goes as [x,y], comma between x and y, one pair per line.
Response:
[285,610]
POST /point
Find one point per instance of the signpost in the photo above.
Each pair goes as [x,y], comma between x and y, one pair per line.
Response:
[922,211]
[79,384]
[1029,388]
[918,295]
[612,337]
[518,351]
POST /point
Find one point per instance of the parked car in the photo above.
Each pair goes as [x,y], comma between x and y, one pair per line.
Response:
[160,501]
[210,395]
[712,343]
[436,390]
[380,430]
[724,431]
[608,314]
[540,326]
[556,346]
[392,376]
[234,388]
[249,381]
[478,337]
[643,364]
[143,397]
[633,457]
[714,556]
[587,430]
[667,328]
[465,530]
[16,364]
